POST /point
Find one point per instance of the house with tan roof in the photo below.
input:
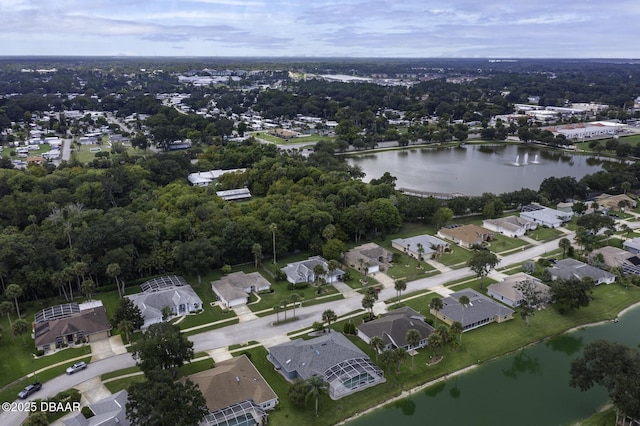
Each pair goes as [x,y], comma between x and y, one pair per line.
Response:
[236,393]
[466,235]
[511,226]
[234,289]
[371,254]
[616,202]
[507,292]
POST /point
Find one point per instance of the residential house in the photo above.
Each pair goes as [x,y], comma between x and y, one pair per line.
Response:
[302,272]
[234,194]
[392,329]
[511,226]
[572,268]
[613,257]
[206,178]
[169,291]
[332,356]
[616,202]
[480,310]
[107,411]
[632,245]
[61,325]
[507,293]
[369,254]
[545,216]
[466,235]
[428,244]
[236,393]
[234,289]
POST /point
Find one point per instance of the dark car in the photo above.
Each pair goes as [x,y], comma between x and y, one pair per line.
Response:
[24,394]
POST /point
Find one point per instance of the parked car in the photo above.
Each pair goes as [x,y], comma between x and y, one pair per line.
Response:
[24,393]
[77,367]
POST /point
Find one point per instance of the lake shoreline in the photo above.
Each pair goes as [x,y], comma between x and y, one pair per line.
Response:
[409,392]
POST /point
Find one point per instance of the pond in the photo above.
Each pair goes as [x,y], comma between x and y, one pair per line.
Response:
[475,169]
[529,387]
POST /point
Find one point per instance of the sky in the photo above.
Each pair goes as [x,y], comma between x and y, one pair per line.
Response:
[322,28]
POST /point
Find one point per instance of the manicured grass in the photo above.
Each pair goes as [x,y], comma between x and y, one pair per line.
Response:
[606,417]
[482,344]
[457,256]
[544,234]
[211,327]
[119,373]
[501,244]
[410,268]
[195,367]
[118,385]
[307,295]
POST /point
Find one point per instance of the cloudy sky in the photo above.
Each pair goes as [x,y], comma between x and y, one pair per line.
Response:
[348,28]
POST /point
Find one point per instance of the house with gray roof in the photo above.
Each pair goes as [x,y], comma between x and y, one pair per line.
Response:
[332,356]
[62,325]
[392,328]
[572,268]
[234,289]
[302,272]
[108,411]
[507,293]
[632,245]
[616,258]
[208,177]
[171,291]
[545,216]
[369,254]
[511,226]
[429,244]
[480,310]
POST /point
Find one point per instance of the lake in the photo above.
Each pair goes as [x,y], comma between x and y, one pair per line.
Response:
[474,169]
[529,387]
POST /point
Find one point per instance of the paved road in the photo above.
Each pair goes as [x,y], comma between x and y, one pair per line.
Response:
[261,329]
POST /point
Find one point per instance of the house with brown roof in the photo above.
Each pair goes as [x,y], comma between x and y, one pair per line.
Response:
[371,254]
[616,202]
[62,325]
[466,235]
[507,292]
[236,393]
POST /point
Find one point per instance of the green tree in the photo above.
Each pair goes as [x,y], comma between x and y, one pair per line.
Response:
[481,263]
[436,304]
[400,355]
[277,308]
[464,301]
[297,392]
[572,293]
[37,418]
[456,331]
[167,312]
[20,327]
[435,342]
[413,338]
[256,250]
[329,316]
[318,273]
[596,222]
[442,216]
[164,347]
[87,288]
[377,345]
[615,367]
[295,298]
[128,311]
[333,249]
[367,303]
[564,244]
[317,386]
[126,327]
[161,401]
[14,291]
[113,270]
[399,286]
[273,228]
[6,308]
[532,299]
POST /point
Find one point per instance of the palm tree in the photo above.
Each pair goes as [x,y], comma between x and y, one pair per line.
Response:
[6,308]
[564,244]
[277,308]
[400,286]
[273,228]
[20,327]
[332,266]
[436,305]
[284,304]
[126,327]
[464,301]
[435,341]
[420,252]
[113,270]
[377,344]
[329,316]
[295,297]
[413,338]
[14,291]
[87,288]
[317,387]
[401,355]
[457,329]
[367,302]
[318,272]
[256,250]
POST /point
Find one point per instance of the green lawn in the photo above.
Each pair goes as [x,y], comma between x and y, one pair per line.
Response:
[484,343]
[457,257]
[544,234]
[501,244]
[410,268]
[606,417]
[307,295]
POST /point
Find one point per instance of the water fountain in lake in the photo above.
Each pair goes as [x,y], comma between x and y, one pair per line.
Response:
[526,159]
[517,162]
[535,160]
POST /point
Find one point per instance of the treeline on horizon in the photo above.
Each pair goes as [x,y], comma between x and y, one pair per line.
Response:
[61,226]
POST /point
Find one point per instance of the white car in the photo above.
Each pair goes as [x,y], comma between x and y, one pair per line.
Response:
[77,367]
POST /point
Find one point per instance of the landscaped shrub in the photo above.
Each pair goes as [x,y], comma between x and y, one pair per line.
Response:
[86,412]
[349,328]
